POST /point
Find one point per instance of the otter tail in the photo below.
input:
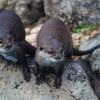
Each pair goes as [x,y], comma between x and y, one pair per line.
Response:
[79,53]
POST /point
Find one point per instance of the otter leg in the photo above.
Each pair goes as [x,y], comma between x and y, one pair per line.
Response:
[20,56]
[40,77]
[58,76]
[26,71]
[68,56]
[28,48]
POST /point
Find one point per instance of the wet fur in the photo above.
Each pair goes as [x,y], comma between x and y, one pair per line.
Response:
[53,35]
[11,27]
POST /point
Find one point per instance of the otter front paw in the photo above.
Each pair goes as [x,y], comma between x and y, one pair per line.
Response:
[27,77]
[39,79]
[57,83]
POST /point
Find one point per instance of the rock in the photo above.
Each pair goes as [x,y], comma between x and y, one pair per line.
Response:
[28,10]
[36,29]
[75,84]
[74,12]
[94,80]
[31,38]
[94,57]
[27,30]
[77,39]
[85,31]
[94,33]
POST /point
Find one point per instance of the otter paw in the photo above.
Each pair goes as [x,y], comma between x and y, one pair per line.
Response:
[57,83]
[27,77]
[39,80]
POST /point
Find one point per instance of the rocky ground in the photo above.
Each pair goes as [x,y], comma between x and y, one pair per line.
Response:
[75,83]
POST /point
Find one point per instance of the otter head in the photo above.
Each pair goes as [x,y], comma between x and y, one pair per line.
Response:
[51,51]
[6,41]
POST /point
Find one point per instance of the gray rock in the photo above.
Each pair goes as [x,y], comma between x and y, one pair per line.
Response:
[28,10]
[75,84]
[74,12]
[93,58]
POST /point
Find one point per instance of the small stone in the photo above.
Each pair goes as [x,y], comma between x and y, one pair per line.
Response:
[27,30]
[36,29]
[94,33]
[31,38]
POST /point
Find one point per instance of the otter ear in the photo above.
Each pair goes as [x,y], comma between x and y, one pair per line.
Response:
[41,48]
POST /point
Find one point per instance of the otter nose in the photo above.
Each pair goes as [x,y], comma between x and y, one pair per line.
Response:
[58,57]
[8,46]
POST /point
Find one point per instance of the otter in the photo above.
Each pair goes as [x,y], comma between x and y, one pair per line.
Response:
[54,48]
[12,40]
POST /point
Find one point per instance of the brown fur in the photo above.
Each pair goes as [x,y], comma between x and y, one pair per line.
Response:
[54,37]
[12,40]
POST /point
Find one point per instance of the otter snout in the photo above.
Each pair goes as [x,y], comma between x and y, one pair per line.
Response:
[8,46]
[58,57]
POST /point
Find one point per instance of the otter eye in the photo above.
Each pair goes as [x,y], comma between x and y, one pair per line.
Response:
[10,39]
[50,52]
[61,51]
[41,48]
[1,42]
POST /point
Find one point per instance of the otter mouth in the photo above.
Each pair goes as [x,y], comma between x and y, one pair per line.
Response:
[10,49]
[3,51]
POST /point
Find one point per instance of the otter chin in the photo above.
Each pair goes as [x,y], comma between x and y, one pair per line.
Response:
[47,58]
[6,50]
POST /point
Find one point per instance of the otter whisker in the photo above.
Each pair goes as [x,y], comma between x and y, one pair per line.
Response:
[21,43]
[14,51]
[17,48]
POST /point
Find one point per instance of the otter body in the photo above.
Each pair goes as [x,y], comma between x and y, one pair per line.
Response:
[54,48]
[12,40]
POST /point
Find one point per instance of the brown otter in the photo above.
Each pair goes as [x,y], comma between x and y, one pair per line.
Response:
[54,47]
[12,40]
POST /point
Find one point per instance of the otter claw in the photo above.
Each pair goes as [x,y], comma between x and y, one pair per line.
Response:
[39,80]
[27,77]
[57,83]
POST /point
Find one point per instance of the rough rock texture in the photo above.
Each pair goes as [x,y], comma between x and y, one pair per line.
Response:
[75,84]
[74,12]
[28,10]
[94,59]
[33,34]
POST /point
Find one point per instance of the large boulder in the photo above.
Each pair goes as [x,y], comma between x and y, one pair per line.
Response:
[28,10]
[75,84]
[74,12]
